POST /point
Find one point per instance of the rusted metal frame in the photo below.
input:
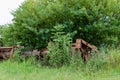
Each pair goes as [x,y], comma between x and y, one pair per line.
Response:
[84,53]
[2,55]
[3,51]
[87,44]
[92,47]
[4,48]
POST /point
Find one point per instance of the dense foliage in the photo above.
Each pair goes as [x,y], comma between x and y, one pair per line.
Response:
[59,49]
[1,41]
[96,21]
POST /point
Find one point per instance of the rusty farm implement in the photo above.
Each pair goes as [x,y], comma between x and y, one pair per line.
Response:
[80,45]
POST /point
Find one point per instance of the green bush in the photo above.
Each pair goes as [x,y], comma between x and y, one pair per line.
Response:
[97,21]
[59,49]
[1,42]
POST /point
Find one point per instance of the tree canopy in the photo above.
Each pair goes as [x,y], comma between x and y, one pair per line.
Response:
[96,21]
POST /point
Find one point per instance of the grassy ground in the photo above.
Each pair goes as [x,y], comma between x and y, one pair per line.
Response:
[107,67]
[26,71]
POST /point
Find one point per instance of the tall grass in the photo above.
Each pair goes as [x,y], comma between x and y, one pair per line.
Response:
[108,58]
[105,66]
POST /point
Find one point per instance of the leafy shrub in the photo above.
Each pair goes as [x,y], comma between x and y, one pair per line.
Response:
[17,56]
[60,48]
[96,21]
[1,42]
